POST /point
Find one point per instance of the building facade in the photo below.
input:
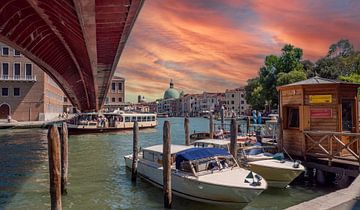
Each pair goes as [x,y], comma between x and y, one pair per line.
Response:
[27,92]
[235,102]
[115,98]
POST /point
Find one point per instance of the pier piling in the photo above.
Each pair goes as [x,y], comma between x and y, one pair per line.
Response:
[54,167]
[135,151]
[166,160]
[248,125]
[279,139]
[211,126]
[233,138]
[64,137]
[187,131]
[222,113]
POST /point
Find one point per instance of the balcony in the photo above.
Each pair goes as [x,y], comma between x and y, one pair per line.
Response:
[30,78]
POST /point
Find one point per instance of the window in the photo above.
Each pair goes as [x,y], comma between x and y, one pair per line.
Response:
[242,95]
[16,70]
[232,95]
[16,91]
[17,53]
[28,70]
[242,102]
[120,99]
[113,87]
[293,117]
[5,51]
[5,70]
[65,99]
[127,119]
[347,115]
[112,99]
[5,91]
[232,102]
[120,86]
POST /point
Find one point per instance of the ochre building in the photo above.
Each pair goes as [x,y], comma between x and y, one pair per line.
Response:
[26,92]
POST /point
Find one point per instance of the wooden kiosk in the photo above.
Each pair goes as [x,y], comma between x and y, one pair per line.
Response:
[320,119]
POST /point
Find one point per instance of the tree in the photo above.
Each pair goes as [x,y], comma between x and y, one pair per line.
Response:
[291,77]
[342,48]
[253,94]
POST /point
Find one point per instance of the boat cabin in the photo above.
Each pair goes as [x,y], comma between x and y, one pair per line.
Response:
[212,143]
[200,161]
[319,117]
[154,153]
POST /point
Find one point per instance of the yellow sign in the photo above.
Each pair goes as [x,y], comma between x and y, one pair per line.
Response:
[317,99]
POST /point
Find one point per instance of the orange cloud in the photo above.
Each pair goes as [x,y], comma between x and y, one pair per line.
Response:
[214,45]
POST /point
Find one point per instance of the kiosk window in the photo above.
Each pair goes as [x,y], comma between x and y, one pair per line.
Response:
[293,118]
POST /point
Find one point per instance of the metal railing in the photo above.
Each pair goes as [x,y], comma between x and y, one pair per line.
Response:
[18,78]
[335,144]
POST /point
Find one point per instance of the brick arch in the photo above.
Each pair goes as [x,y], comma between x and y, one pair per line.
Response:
[5,110]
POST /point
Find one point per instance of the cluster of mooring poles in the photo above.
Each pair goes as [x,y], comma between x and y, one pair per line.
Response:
[58,163]
[166,161]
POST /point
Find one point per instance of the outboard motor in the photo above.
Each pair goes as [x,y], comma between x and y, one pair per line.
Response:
[296,164]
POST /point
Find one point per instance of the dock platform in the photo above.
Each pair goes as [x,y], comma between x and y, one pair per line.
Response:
[345,199]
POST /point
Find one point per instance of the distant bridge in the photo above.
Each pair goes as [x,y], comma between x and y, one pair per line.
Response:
[77,42]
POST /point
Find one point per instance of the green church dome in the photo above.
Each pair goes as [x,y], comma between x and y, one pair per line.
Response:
[171,92]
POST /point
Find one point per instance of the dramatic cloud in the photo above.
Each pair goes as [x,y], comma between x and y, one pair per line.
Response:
[211,45]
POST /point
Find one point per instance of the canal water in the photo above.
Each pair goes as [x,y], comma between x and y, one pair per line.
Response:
[98,178]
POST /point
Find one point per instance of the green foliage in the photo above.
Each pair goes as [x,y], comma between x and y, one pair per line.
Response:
[253,95]
[342,48]
[291,77]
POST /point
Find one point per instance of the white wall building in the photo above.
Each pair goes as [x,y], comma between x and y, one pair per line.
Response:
[235,102]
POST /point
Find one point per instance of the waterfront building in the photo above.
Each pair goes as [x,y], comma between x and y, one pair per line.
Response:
[27,92]
[115,98]
[235,102]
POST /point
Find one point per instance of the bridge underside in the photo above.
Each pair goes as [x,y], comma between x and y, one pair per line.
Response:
[78,43]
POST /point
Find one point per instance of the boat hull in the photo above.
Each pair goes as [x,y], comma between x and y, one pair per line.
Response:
[83,130]
[274,174]
[190,188]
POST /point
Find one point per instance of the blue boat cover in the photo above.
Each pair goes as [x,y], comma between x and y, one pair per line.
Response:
[199,153]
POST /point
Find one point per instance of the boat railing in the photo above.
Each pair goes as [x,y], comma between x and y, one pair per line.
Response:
[331,145]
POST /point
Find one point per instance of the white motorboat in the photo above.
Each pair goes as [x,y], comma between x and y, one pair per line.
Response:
[278,172]
[208,175]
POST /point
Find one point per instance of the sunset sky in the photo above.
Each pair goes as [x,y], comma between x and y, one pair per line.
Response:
[213,45]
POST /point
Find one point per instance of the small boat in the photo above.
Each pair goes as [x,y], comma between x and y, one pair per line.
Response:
[162,115]
[105,122]
[273,167]
[277,171]
[209,175]
[201,135]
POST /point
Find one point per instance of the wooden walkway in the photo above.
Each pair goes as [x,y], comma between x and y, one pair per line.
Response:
[346,199]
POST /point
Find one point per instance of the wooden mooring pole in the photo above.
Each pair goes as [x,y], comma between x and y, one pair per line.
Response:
[54,167]
[135,151]
[222,113]
[279,139]
[167,165]
[211,126]
[187,131]
[64,137]
[233,138]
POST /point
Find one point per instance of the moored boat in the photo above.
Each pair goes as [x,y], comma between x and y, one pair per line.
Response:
[105,122]
[277,171]
[208,175]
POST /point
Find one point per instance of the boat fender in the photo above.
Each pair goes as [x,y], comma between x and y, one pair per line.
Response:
[296,164]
